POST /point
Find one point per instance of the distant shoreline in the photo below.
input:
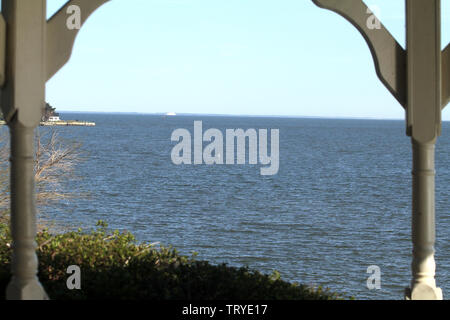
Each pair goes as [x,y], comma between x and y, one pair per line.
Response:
[231,115]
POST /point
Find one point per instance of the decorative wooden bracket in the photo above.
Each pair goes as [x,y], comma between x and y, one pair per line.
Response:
[34,49]
[389,57]
[387,54]
[60,39]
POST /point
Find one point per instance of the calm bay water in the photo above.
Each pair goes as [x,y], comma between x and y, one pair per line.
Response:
[340,202]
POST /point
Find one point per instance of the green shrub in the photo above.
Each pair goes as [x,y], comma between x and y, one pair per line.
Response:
[114,266]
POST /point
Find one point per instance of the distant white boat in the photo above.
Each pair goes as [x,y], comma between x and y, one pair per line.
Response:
[171,114]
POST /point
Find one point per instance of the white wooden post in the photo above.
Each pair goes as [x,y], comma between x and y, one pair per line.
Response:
[31,51]
[423,41]
[419,79]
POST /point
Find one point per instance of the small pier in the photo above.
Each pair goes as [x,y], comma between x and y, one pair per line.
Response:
[62,123]
[68,123]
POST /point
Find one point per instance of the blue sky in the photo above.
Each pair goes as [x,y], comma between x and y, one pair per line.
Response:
[252,57]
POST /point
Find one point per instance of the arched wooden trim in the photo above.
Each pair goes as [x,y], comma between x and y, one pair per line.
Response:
[389,57]
[60,39]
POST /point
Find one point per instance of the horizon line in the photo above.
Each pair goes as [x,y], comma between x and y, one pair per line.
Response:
[233,115]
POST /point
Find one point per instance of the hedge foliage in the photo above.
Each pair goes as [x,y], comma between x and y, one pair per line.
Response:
[114,266]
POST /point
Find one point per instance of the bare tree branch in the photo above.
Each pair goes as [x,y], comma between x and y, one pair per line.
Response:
[55,162]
